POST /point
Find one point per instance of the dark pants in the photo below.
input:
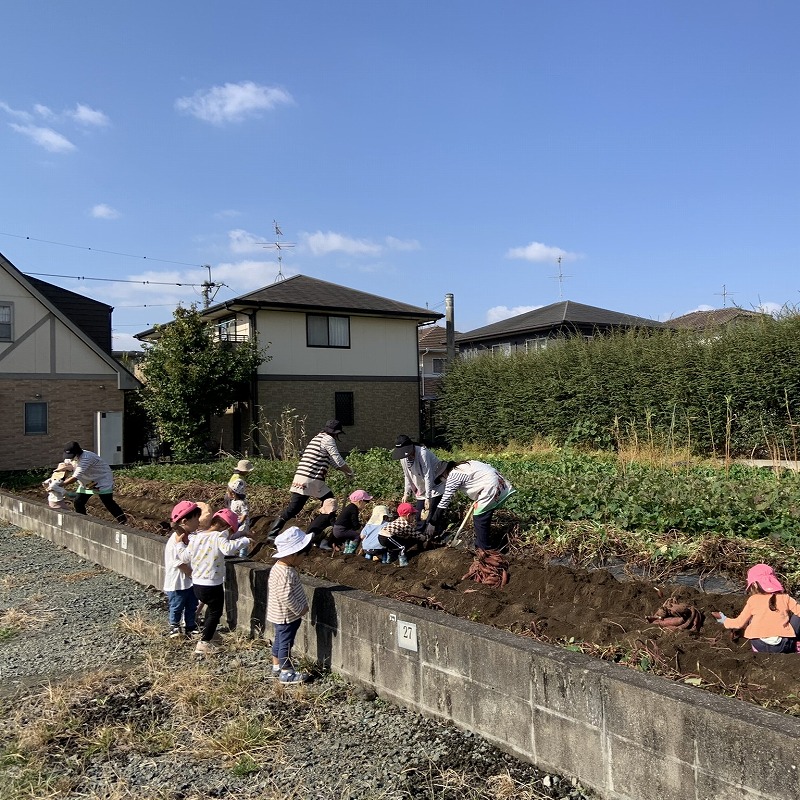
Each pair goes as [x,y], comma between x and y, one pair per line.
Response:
[342,534]
[82,498]
[319,525]
[214,598]
[787,643]
[485,539]
[294,507]
[395,543]
[283,641]
[423,523]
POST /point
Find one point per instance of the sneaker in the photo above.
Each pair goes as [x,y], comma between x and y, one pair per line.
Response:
[325,547]
[175,633]
[193,634]
[386,558]
[402,560]
[206,648]
[368,556]
[275,672]
[350,547]
[290,676]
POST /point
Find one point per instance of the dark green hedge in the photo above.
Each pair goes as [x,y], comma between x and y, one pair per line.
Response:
[734,390]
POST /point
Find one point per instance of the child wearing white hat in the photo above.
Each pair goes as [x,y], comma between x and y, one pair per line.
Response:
[286,602]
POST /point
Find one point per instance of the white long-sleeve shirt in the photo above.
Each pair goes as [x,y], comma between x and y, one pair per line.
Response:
[421,473]
[206,553]
[481,482]
[90,468]
[175,578]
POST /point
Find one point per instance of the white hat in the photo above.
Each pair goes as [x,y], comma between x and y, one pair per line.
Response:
[237,486]
[291,541]
[244,466]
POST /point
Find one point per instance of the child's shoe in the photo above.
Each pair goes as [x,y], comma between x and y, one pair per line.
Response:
[325,546]
[368,556]
[402,559]
[193,634]
[275,672]
[175,633]
[290,676]
[206,648]
[350,547]
[386,558]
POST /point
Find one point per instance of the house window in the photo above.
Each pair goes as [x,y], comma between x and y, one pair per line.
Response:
[226,329]
[35,418]
[438,366]
[539,343]
[6,322]
[501,349]
[323,330]
[344,408]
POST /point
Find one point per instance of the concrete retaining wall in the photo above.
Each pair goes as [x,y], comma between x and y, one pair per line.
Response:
[626,735]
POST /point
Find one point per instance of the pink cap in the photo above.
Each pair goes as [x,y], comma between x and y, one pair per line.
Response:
[358,495]
[229,518]
[183,509]
[764,576]
[405,510]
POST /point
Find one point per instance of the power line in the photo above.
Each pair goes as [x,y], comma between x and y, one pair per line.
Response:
[97,250]
[113,280]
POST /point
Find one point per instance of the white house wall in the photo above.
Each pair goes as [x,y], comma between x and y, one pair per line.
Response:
[378,347]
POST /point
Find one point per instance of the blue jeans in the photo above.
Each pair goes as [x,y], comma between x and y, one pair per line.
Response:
[182,603]
[283,640]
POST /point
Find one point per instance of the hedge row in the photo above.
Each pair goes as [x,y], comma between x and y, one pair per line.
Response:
[735,391]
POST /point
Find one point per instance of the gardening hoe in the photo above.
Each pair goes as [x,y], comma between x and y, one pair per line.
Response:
[453,540]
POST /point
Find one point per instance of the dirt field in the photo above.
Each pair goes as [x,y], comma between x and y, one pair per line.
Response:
[591,611]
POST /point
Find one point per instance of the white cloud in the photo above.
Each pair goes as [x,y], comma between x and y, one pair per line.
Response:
[540,253]
[768,307]
[497,313]
[227,213]
[233,102]
[102,211]
[402,244]
[88,116]
[16,113]
[321,244]
[43,111]
[243,242]
[45,137]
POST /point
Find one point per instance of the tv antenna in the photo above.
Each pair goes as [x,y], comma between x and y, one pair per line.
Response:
[206,287]
[280,246]
[725,294]
[560,278]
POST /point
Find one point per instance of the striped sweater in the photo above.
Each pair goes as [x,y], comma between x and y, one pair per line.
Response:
[320,453]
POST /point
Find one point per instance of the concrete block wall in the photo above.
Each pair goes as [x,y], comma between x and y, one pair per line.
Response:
[624,734]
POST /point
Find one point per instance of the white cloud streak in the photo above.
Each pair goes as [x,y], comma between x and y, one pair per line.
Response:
[84,115]
[233,102]
[497,313]
[322,244]
[402,244]
[47,138]
[103,211]
[541,253]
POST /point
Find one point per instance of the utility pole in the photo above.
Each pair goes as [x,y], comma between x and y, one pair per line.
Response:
[207,286]
[450,328]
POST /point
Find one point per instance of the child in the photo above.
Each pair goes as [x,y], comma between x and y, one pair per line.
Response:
[56,493]
[347,527]
[185,520]
[400,534]
[206,553]
[323,521]
[240,472]
[373,549]
[286,602]
[236,501]
[770,617]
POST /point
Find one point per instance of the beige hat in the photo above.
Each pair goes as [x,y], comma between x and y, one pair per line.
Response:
[244,466]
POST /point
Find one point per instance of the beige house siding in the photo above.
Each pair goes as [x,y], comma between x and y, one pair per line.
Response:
[70,406]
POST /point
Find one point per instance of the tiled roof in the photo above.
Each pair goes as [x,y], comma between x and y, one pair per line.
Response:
[433,336]
[698,320]
[302,292]
[556,315]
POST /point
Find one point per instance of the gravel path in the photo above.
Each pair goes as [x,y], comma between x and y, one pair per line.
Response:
[60,620]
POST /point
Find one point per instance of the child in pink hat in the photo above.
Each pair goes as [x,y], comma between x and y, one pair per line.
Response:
[770,618]
[181,599]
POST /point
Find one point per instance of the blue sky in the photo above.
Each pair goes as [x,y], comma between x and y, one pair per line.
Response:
[407,149]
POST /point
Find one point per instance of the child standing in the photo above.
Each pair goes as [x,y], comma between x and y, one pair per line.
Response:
[286,602]
[400,534]
[370,533]
[206,553]
[241,471]
[56,493]
[236,500]
[185,520]
[770,617]
[347,527]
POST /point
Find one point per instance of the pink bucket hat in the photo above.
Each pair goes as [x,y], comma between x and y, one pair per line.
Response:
[229,518]
[183,509]
[359,494]
[764,576]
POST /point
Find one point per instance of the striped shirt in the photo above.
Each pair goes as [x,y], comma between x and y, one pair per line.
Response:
[286,599]
[206,553]
[481,482]
[320,453]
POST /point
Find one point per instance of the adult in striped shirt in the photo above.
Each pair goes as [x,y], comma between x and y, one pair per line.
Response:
[321,453]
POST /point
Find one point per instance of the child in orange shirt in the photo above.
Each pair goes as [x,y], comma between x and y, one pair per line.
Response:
[770,617]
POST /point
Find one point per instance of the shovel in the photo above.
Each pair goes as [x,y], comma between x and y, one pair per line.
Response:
[454,539]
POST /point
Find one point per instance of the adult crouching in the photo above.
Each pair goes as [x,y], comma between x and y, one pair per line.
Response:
[93,476]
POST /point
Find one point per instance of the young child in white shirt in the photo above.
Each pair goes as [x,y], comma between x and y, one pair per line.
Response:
[56,493]
[185,520]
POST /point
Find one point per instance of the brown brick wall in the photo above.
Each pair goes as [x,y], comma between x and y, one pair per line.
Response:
[70,416]
[382,410]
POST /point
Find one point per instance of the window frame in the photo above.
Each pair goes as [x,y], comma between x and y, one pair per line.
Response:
[442,363]
[344,407]
[328,318]
[9,304]
[27,427]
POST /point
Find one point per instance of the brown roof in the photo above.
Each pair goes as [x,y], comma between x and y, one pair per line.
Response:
[698,320]
[433,336]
